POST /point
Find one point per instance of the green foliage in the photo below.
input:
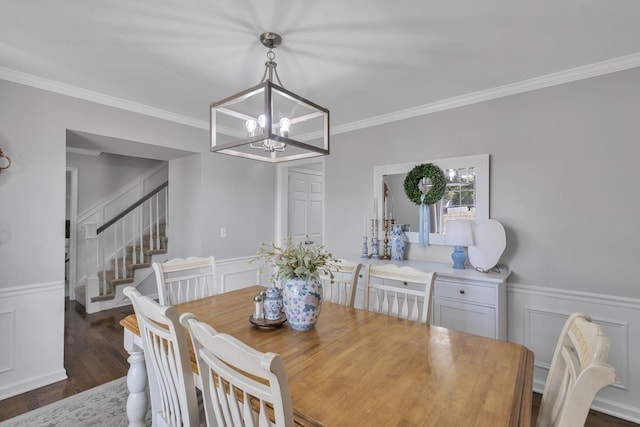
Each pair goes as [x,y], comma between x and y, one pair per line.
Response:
[297,260]
[438,181]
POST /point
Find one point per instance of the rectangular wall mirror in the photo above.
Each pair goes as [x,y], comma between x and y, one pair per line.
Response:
[466,196]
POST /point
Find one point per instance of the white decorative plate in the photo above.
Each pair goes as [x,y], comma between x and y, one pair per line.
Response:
[489,242]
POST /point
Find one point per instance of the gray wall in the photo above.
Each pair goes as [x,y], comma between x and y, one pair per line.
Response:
[33,129]
[33,126]
[100,176]
[209,191]
[563,167]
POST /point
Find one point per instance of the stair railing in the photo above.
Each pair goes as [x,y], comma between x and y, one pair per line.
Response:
[126,232]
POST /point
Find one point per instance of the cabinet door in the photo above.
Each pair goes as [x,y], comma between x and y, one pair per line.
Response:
[470,318]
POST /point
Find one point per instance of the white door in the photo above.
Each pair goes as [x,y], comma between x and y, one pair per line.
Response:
[306,207]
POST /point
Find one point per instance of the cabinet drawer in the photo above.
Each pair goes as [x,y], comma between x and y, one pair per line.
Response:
[465,292]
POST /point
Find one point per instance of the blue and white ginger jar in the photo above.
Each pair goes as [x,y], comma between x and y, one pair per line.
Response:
[272,303]
[397,243]
[302,302]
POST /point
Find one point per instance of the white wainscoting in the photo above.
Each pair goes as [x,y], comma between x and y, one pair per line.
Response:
[31,337]
[237,273]
[536,316]
[7,339]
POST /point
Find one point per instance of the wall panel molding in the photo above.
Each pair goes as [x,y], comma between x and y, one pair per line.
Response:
[537,321]
[536,316]
[31,341]
[7,339]
[236,273]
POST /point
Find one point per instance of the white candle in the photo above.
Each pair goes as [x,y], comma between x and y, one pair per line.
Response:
[364,230]
[391,209]
[375,208]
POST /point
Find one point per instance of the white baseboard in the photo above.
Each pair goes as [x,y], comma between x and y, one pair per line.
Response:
[536,316]
[10,390]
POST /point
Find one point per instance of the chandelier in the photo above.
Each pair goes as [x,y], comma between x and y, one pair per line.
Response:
[268,122]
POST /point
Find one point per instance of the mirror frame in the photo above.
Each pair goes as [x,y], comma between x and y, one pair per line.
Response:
[481,164]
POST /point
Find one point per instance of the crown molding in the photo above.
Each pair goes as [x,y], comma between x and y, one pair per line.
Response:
[98,98]
[579,73]
[553,79]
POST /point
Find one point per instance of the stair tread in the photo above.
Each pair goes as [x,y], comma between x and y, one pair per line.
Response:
[144,261]
[103,297]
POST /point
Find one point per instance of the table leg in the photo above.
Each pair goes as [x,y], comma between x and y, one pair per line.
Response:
[138,400]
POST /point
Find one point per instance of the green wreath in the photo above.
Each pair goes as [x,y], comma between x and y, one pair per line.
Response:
[438,181]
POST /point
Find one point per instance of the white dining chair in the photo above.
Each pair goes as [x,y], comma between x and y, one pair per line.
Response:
[345,283]
[171,385]
[409,297]
[240,385]
[579,369]
[181,280]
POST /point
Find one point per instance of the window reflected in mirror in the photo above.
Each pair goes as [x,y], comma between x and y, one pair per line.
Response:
[459,201]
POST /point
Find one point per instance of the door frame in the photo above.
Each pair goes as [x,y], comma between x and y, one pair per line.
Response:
[282,194]
[73,231]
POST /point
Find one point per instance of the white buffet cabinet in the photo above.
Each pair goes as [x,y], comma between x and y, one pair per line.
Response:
[465,300]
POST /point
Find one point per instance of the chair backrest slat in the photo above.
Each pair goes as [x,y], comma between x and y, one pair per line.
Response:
[240,385]
[345,282]
[181,280]
[411,299]
[173,396]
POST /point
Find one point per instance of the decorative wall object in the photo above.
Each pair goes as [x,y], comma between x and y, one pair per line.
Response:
[5,161]
[425,185]
[489,242]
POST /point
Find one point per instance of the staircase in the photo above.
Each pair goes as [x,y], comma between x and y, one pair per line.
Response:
[122,249]
[126,273]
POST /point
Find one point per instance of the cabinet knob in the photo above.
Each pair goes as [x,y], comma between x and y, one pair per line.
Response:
[462,291]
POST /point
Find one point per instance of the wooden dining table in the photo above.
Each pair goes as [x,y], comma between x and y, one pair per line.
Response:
[358,367]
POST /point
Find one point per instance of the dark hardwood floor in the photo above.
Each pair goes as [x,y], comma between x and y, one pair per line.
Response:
[94,355]
[595,419]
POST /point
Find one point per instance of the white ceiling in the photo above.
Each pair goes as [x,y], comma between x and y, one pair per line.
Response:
[360,58]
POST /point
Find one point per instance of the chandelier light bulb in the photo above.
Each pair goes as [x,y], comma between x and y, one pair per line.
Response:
[251,127]
[285,124]
[262,121]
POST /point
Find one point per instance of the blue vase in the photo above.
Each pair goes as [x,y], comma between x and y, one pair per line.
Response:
[272,303]
[302,302]
[397,243]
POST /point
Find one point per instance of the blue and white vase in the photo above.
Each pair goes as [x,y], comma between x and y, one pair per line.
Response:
[272,303]
[302,302]
[397,243]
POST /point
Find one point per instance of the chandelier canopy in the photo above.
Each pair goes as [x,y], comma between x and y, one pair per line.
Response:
[268,122]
